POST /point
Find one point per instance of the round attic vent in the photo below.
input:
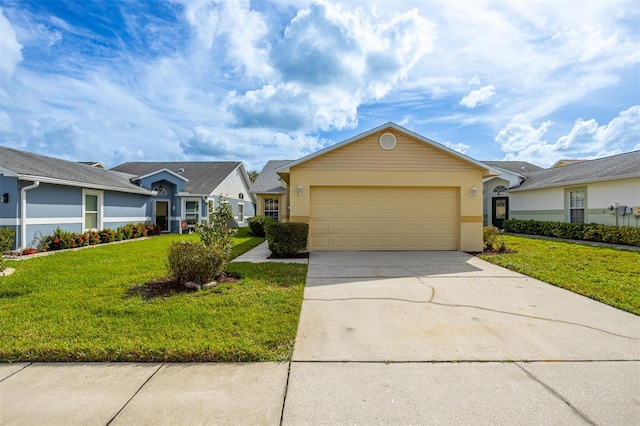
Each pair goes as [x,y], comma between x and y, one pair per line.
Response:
[387,141]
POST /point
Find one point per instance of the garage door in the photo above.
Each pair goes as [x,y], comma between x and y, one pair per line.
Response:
[384,218]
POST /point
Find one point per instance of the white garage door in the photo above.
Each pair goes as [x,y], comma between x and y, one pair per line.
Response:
[384,218]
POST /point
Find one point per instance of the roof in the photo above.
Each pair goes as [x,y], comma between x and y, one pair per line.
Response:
[620,166]
[203,177]
[268,181]
[520,167]
[561,163]
[488,171]
[32,167]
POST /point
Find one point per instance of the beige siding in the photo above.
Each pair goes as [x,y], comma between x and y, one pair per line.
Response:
[384,218]
[366,154]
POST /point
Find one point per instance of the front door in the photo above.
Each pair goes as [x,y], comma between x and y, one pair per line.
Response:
[162,215]
[500,210]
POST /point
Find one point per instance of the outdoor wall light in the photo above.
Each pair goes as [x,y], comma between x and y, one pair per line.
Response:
[474,190]
[299,191]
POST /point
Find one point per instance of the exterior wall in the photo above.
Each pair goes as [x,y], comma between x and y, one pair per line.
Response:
[9,212]
[551,204]
[122,208]
[249,209]
[411,163]
[233,185]
[153,180]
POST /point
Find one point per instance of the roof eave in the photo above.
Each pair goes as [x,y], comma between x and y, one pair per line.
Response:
[575,182]
[64,182]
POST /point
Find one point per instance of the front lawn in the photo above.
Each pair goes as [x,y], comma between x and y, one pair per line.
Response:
[79,306]
[610,276]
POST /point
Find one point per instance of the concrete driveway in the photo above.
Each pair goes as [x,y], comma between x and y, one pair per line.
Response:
[444,337]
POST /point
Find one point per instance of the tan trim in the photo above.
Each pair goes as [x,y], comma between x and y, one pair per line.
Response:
[471,219]
[299,219]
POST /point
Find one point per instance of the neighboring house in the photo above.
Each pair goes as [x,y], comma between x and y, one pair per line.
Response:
[494,189]
[387,189]
[272,198]
[561,163]
[39,193]
[184,189]
[604,191]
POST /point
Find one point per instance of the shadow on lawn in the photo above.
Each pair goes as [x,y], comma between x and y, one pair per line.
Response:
[165,287]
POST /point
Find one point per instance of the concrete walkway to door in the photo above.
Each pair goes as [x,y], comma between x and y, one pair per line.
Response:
[445,337]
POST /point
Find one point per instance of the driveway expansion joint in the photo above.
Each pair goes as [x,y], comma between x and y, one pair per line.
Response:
[16,372]
[134,394]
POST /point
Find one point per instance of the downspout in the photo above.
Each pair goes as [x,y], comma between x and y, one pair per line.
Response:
[23,212]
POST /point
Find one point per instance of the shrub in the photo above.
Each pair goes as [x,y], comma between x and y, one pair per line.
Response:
[287,239]
[6,242]
[107,235]
[189,261]
[492,240]
[626,235]
[258,224]
[218,231]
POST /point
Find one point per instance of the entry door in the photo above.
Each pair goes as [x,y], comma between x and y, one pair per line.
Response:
[500,211]
[162,215]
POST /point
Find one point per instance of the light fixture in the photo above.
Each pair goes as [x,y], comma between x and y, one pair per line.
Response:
[474,190]
[299,191]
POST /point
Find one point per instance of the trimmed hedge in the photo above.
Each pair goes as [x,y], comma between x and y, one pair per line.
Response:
[625,235]
[286,239]
[61,239]
[257,224]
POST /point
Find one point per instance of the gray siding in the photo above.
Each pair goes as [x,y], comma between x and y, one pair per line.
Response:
[9,210]
[118,204]
[53,201]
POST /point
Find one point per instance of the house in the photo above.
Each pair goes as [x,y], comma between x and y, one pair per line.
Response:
[604,190]
[272,197]
[494,188]
[183,190]
[39,194]
[386,189]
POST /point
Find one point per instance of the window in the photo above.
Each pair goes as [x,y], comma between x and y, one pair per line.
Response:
[241,196]
[499,189]
[271,208]
[92,209]
[240,213]
[576,206]
[191,212]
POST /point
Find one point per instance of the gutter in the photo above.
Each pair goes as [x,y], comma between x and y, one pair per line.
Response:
[23,212]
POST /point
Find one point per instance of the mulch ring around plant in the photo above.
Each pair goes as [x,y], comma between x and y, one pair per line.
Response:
[304,255]
[165,287]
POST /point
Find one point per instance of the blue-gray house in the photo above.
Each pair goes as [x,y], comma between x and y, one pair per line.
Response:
[39,193]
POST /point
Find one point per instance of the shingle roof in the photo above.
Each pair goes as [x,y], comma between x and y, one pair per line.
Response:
[268,182]
[54,170]
[515,166]
[204,176]
[602,169]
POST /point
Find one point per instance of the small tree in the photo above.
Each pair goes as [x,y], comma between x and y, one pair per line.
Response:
[218,231]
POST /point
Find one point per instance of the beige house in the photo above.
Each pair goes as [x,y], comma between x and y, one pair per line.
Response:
[386,189]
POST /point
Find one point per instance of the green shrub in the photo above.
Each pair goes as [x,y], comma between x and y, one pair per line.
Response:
[218,231]
[625,235]
[6,242]
[258,224]
[492,240]
[287,239]
[107,235]
[189,261]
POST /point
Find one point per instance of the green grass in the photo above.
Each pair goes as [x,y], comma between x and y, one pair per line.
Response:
[77,306]
[608,275]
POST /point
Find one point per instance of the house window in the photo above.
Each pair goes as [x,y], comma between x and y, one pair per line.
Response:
[240,213]
[91,209]
[499,189]
[241,196]
[191,212]
[576,206]
[271,208]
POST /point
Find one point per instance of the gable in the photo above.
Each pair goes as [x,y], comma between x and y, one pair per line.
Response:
[366,154]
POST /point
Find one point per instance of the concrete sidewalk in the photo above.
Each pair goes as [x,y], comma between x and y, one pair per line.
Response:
[261,253]
[383,338]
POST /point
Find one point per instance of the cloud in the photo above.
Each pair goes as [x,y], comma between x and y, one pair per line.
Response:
[10,48]
[479,97]
[460,147]
[586,139]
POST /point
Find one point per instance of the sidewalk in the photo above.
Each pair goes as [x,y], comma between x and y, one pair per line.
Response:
[261,253]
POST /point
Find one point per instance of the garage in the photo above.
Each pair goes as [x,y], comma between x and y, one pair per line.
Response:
[384,218]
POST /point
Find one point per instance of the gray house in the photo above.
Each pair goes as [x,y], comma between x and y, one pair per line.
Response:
[183,190]
[40,193]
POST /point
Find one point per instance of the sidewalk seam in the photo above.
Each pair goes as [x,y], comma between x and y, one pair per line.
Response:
[16,372]
[134,395]
[556,394]
[286,391]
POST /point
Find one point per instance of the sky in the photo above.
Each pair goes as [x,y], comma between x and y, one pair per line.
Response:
[252,81]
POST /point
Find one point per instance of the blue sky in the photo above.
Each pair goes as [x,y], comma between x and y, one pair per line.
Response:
[117,81]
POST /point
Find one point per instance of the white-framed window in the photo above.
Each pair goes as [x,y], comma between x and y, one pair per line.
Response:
[271,208]
[240,213]
[576,206]
[91,210]
[192,211]
[500,189]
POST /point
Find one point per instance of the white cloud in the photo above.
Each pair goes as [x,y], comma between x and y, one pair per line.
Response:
[586,139]
[479,97]
[460,147]
[9,47]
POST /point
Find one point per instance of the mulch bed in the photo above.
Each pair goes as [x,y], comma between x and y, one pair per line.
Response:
[165,287]
[304,255]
